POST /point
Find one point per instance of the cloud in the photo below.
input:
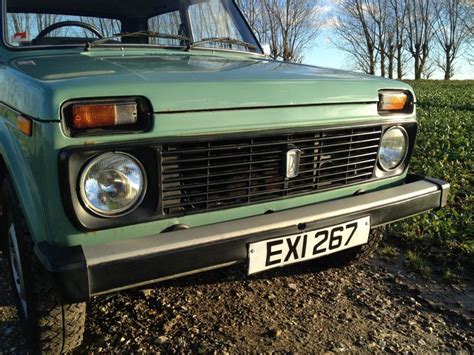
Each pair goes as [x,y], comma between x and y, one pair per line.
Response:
[331,22]
[326,14]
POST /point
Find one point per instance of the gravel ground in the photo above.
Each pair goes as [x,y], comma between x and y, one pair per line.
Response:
[377,306]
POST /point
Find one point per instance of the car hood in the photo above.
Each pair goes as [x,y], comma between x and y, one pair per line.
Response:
[189,81]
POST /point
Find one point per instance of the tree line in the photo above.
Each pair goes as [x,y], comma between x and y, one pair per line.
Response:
[379,36]
[388,34]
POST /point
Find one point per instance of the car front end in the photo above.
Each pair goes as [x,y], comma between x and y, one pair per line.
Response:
[144,163]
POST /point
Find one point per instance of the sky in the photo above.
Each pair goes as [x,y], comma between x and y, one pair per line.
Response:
[322,53]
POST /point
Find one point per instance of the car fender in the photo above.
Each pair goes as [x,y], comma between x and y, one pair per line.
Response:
[19,170]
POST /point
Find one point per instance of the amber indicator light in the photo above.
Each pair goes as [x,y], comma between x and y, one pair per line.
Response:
[25,125]
[104,115]
[393,101]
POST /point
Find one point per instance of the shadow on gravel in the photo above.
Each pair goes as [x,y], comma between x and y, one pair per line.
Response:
[238,272]
[6,302]
[11,339]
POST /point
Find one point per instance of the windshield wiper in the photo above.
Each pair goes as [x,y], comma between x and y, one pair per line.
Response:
[148,34]
[228,40]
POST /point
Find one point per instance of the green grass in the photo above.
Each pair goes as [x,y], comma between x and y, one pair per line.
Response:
[388,251]
[444,149]
[418,263]
[449,276]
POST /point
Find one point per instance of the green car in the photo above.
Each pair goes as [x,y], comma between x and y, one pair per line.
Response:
[145,141]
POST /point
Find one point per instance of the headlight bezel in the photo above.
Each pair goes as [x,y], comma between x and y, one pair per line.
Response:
[411,128]
[407,148]
[72,162]
[119,212]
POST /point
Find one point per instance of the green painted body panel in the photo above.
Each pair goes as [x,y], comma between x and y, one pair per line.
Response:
[195,93]
[179,81]
[20,156]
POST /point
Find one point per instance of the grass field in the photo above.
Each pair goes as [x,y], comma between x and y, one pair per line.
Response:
[443,240]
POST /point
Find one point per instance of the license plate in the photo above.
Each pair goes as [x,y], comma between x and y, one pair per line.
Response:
[277,252]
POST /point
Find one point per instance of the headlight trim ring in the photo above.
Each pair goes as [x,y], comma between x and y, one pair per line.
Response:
[119,212]
[405,154]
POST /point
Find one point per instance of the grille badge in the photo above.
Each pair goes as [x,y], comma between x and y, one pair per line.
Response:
[292,163]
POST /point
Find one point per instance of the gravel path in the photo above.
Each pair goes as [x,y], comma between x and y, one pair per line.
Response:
[379,306]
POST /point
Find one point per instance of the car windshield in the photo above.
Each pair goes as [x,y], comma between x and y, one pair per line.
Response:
[209,24]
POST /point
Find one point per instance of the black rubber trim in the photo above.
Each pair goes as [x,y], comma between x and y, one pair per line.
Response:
[89,271]
[69,265]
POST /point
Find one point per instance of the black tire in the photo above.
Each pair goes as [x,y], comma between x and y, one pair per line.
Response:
[359,254]
[51,325]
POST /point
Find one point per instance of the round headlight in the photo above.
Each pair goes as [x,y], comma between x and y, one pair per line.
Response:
[393,148]
[113,184]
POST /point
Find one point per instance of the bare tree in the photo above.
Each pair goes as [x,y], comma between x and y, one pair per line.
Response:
[391,38]
[378,10]
[19,22]
[289,26]
[374,33]
[451,32]
[420,29]
[468,22]
[356,33]
[45,20]
[255,13]
[470,49]
[398,12]
[297,25]
[264,25]
[429,69]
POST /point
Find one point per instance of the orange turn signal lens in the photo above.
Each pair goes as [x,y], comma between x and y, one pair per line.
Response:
[24,125]
[104,115]
[393,101]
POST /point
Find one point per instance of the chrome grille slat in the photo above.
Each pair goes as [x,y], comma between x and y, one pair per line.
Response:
[227,156]
[237,181]
[230,172]
[244,146]
[204,176]
[346,143]
[252,186]
[275,191]
[229,165]
[344,158]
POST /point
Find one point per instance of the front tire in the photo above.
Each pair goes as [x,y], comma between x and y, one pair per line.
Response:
[50,323]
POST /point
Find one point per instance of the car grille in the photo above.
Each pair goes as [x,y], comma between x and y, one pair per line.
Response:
[220,173]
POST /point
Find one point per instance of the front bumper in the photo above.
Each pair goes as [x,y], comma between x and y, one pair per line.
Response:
[85,271]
